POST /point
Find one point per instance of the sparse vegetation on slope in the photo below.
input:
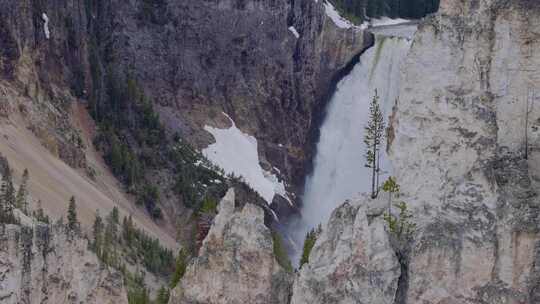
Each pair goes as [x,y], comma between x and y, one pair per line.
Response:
[280,253]
[117,244]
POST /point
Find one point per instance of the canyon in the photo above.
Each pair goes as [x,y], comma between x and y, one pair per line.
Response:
[458,91]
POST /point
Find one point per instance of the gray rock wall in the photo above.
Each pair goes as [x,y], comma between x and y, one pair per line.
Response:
[236,263]
[465,153]
[41,264]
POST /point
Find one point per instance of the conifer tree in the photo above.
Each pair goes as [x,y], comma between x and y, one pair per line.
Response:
[116,157]
[21,199]
[180,268]
[374,133]
[115,215]
[309,243]
[7,199]
[73,223]
[162,296]
[97,242]
[110,239]
[128,230]
[3,204]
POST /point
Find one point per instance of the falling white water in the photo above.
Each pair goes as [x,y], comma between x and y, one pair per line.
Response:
[339,171]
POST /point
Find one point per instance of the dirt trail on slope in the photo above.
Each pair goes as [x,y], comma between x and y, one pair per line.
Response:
[54,182]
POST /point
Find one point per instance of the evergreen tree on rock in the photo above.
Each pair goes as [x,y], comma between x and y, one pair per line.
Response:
[73,223]
[21,199]
[373,139]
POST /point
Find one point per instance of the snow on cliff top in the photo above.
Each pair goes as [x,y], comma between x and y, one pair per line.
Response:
[342,22]
[46,25]
[294,31]
[338,20]
[236,152]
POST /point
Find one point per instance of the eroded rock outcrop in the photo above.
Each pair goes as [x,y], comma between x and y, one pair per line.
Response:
[43,264]
[236,262]
[352,261]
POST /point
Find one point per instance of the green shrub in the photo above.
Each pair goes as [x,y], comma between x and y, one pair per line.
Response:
[137,291]
[401,226]
[136,244]
[309,243]
[209,206]
[280,253]
[180,267]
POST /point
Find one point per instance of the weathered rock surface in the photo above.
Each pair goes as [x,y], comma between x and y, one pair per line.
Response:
[466,154]
[193,58]
[236,263]
[37,73]
[198,58]
[352,261]
[41,264]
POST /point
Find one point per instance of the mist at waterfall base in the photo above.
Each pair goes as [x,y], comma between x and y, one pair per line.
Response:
[339,171]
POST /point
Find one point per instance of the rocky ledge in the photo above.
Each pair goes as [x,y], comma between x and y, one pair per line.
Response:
[236,263]
[353,260]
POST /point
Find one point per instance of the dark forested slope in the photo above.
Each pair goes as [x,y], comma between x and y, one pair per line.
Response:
[358,10]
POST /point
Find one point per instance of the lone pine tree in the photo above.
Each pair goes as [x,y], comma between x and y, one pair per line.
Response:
[373,140]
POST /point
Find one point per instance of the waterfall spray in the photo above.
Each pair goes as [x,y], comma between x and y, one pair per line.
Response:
[339,172]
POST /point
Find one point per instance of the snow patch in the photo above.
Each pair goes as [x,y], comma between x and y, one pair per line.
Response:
[294,31]
[46,25]
[338,20]
[236,153]
[342,22]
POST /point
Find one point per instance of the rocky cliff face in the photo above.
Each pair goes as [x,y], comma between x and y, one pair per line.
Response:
[236,262]
[353,260]
[41,264]
[464,146]
[198,58]
[37,71]
[193,58]
[465,153]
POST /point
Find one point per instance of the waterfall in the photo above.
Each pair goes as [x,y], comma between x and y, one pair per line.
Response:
[339,171]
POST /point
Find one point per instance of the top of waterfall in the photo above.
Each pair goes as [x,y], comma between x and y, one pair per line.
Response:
[339,20]
[401,30]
